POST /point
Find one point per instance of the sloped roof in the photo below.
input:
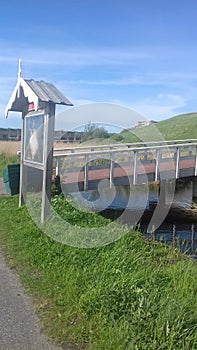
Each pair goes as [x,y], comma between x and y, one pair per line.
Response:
[47,92]
[28,91]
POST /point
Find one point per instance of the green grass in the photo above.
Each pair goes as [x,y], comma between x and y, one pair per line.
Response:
[6,159]
[179,127]
[132,294]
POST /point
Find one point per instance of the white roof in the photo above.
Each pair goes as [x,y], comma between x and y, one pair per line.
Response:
[31,91]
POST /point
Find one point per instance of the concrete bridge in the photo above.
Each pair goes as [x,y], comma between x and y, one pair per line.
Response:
[86,168]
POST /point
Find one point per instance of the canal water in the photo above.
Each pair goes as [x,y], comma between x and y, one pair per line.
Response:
[172,220]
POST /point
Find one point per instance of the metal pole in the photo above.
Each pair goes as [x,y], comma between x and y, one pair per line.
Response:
[195,173]
[57,169]
[86,173]
[157,165]
[135,167]
[111,171]
[177,162]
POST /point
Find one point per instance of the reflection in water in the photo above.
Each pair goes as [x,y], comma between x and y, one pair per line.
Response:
[182,236]
[136,205]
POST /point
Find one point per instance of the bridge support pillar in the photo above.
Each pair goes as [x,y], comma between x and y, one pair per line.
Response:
[184,193]
[177,192]
[166,191]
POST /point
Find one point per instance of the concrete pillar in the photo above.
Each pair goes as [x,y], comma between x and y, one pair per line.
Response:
[183,193]
[177,193]
[166,191]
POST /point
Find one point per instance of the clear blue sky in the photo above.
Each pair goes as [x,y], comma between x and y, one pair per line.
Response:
[140,54]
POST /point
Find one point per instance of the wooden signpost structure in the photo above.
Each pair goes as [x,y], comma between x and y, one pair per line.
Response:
[36,101]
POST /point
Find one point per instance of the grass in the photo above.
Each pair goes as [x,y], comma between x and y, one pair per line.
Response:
[132,294]
[7,159]
[177,128]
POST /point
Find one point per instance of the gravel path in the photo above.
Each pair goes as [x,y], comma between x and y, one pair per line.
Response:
[19,325]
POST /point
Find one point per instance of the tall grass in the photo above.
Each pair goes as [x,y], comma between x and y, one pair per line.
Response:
[10,148]
[132,294]
[7,159]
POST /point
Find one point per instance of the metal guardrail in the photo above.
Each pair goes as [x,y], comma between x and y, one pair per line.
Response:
[122,145]
[132,154]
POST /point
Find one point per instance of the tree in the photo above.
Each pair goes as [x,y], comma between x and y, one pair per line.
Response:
[92,131]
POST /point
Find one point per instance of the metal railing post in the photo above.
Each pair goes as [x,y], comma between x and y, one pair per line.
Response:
[177,162]
[135,167]
[57,168]
[86,173]
[195,172]
[111,170]
[157,164]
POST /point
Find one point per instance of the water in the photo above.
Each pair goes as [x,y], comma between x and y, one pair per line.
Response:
[176,222]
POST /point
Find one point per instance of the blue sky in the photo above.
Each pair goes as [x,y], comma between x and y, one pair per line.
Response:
[139,54]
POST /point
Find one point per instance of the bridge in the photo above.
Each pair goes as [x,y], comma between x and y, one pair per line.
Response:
[84,168]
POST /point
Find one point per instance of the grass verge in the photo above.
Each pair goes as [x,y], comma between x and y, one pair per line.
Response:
[131,294]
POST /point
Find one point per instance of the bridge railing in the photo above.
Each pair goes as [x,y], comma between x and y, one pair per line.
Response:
[121,145]
[129,158]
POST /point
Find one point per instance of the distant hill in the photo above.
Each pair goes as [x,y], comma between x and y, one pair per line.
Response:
[180,127]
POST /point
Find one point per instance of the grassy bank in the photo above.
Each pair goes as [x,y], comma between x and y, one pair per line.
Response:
[176,128]
[131,294]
